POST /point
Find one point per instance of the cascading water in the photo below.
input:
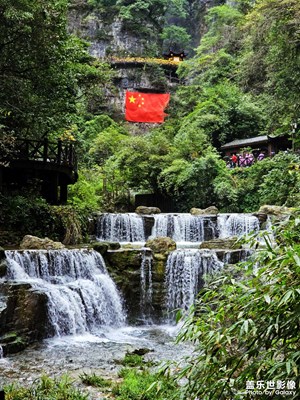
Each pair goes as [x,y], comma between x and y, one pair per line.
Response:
[120,227]
[81,295]
[237,224]
[184,273]
[183,227]
[146,286]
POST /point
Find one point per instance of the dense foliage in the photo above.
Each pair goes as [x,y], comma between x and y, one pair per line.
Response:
[245,324]
[42,68]
[242,82]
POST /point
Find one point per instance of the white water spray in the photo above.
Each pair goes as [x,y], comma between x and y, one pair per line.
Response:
[237,225]
[183,227]
[81,295]
[146,286]
[184,275]
[121,227]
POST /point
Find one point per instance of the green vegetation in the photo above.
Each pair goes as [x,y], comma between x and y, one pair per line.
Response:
[22,215]
[242,81]
[47,389]
[145,385]
[95,380]
[42,69]
[245,323]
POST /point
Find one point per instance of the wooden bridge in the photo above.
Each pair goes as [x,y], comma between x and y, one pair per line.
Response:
[169,66]
[50,165]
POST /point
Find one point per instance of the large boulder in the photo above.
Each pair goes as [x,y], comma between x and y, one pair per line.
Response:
[275,210]
[226,243]
[212,210]
[147,210]
[34,242]
[276,213]
[161,245]
[24,318]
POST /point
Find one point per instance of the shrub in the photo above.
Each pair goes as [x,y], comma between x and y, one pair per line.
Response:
[247,330]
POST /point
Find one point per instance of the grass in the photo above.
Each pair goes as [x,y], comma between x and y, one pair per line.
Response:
[137,385]
[45,388]
[95,380]
[135,360]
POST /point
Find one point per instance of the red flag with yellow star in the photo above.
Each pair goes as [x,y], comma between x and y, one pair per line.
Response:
[146,107]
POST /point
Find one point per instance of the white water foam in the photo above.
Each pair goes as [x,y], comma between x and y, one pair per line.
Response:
[120,227]
[81,295]
[183,227]
[237,225]
[184,274]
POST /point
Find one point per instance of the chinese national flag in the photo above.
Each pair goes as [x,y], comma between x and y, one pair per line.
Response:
[145,107]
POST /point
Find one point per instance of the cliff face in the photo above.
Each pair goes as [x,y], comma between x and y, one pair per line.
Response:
[101,24]
[113,38]
[105,31]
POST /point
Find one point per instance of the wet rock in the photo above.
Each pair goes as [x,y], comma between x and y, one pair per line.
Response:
[140,352]
[34,242]
[100,247]
[148,224]
[113,245]
[2,253]
[123,259]
[105,244]
[209,210]
[3,268]
[232,256]
[124,266]
[262,217]
[226,243]
[161,245]
[24,320]
[12,343]
[147,210]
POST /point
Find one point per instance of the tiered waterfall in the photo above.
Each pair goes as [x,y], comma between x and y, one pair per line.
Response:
[81,295]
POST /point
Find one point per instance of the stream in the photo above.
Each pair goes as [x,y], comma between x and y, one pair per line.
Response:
[99,354]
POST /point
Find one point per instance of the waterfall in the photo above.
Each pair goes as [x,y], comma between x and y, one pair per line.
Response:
[81,295]
[183,227]
[146,286]
[184,275]
[121,227]
[1,352]
[237,224]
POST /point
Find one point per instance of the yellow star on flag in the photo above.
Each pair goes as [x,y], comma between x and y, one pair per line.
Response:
[132,99]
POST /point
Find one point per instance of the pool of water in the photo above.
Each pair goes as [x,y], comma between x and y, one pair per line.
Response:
[97,353]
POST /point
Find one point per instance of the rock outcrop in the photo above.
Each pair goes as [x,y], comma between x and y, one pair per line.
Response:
[147,210]
[226,243]
[278,211]
[24,318]
[212,210]
[34,242]
[103,247]
[161,245]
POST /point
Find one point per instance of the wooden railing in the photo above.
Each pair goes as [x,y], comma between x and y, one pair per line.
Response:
[59,153]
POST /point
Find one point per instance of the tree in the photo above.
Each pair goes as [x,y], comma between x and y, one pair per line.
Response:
[41,67]
[271,59]
[175,36]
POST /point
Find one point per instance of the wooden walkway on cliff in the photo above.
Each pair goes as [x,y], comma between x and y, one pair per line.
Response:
[50,165]
[170,66]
